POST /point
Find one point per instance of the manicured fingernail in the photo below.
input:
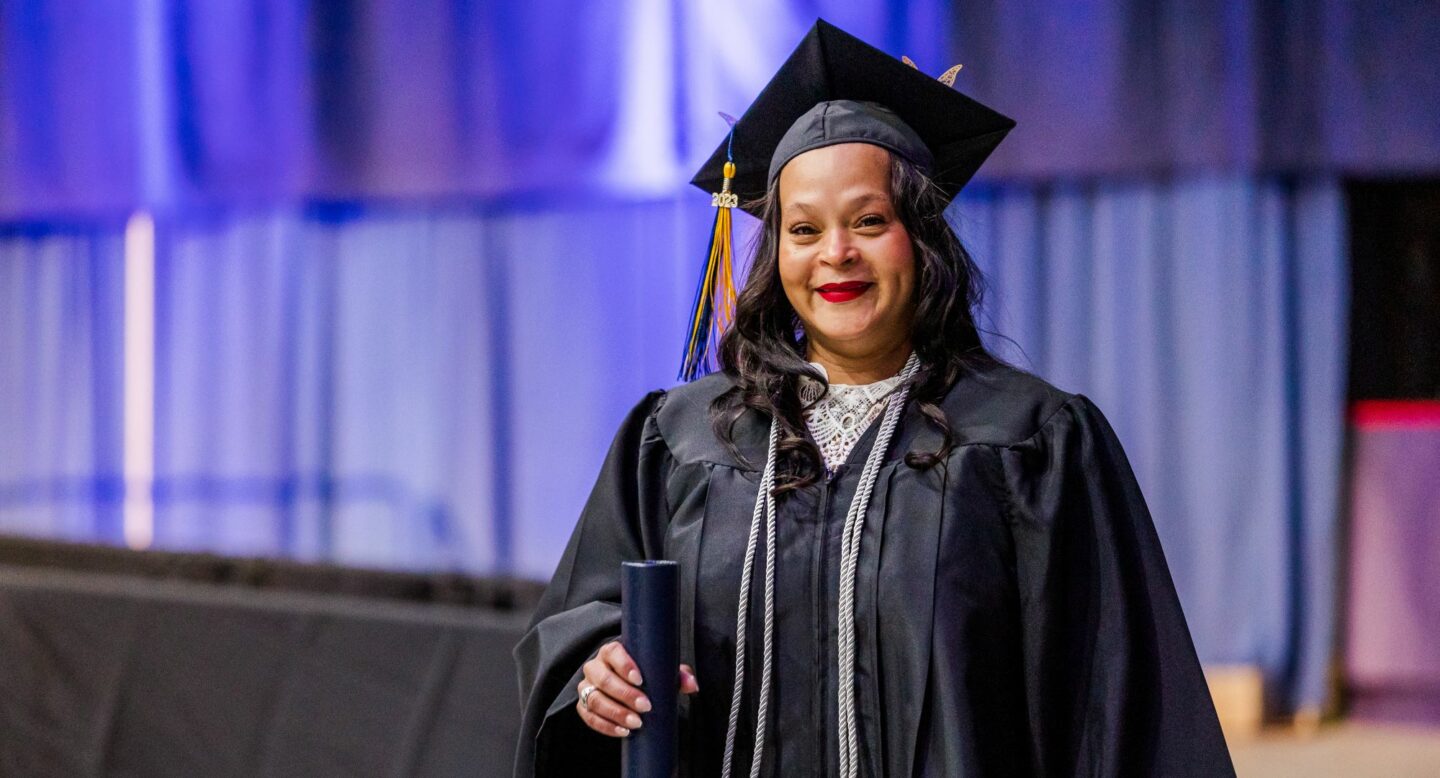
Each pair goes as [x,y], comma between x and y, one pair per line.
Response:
[623,731]
[635,677]
[633,721]
[643,705]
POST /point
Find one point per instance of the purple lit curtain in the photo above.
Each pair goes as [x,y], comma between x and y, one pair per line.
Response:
[161,103]
[1122,88]
[158,103]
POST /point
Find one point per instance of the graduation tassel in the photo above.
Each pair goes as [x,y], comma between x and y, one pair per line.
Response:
[714,306]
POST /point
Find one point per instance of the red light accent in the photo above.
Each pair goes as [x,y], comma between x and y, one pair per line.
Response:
[1395,414]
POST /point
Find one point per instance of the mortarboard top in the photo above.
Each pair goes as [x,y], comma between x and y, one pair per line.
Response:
[832,65]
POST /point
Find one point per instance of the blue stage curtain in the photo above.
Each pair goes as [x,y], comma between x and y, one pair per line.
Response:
[61,298]
[1207,318]
[110,107]
[408,387]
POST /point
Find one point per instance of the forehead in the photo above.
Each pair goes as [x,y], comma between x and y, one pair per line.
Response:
[844,169]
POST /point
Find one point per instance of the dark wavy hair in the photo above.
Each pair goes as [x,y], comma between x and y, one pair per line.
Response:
[764,351]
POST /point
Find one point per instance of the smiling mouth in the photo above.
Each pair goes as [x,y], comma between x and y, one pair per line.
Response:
[843,293]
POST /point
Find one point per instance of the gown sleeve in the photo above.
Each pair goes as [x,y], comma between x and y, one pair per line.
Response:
[624,520]
[1113,685]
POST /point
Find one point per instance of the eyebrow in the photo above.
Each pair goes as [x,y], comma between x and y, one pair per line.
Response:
[866,199]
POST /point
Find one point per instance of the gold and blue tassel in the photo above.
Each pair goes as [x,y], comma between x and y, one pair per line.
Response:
[714,307]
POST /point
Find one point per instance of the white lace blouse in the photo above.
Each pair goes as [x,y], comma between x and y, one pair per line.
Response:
[838,419]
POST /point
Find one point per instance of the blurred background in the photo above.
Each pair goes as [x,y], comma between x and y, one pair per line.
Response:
[316,320]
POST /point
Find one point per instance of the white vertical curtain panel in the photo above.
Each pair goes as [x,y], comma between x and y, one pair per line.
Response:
[1207,318]
[61,289]
[407,388]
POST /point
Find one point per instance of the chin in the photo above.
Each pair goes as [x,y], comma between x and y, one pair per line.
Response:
[843,331]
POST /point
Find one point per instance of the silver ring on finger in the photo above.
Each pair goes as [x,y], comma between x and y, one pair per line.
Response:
[585,692]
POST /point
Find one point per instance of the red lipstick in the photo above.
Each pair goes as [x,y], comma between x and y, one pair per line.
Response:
[843,293]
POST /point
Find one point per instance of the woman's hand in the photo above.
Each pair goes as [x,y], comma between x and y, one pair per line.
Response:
[617,702]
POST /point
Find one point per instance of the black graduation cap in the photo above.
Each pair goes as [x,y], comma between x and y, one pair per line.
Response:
[830,65]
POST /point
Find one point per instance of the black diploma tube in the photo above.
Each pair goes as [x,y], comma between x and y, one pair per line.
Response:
[650,631]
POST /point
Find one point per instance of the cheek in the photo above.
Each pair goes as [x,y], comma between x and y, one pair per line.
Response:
[794,276]
[899,264]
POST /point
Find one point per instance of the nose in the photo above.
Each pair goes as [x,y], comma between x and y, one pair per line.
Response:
[838,250]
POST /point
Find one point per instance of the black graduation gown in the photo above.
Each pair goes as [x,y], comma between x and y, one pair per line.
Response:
[1015,615]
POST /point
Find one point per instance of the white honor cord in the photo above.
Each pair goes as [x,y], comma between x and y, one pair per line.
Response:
[849,559]
[764,507]
[849,556]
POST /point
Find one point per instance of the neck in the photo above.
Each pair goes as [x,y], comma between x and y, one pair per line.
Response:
[843,368]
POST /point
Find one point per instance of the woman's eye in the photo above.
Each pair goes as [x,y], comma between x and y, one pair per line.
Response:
[802,229]
[873,220]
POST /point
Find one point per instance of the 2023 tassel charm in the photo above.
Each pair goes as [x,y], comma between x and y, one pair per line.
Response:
[714,307]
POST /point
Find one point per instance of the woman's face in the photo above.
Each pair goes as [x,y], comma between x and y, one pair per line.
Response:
[846,261]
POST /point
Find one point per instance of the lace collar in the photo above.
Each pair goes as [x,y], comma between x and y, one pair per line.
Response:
[837,419]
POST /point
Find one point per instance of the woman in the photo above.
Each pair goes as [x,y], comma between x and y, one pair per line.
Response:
[943,565]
